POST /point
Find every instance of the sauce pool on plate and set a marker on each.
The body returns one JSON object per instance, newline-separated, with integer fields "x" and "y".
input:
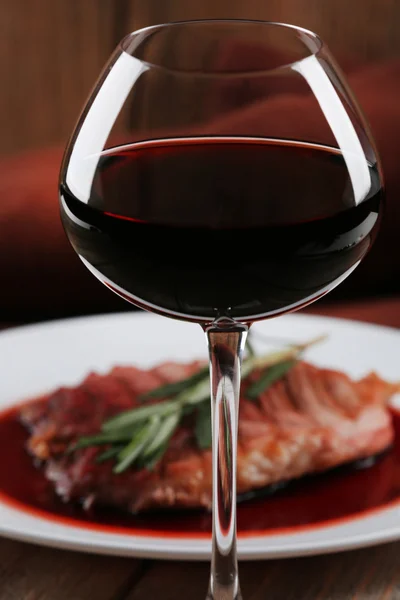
{"x": 346, "y": 493}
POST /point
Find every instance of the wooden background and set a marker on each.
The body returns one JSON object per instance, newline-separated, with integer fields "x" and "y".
{"x": 51, "y": 51}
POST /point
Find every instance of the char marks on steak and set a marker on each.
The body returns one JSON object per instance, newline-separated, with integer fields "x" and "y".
{"x": 311, "y": 420}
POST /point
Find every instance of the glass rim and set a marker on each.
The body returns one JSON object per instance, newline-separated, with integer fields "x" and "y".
{"x": 315, "y": 46}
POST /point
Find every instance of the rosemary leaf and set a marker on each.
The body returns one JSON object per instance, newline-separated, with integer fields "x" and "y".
{"x": 163, "y": 435}
{"x": 130, "y": 417}
{"x": 273, "y": 358}
{"x": 153, "y": 460}
{"x": 187, "y": 409}
{"x": 270, "y": 375}
{"x": 104, "y": 438}
{"x": 267, "y": 360}
{"x": 132, "y": 451}
{"x": 109, "y": 453}
{"x": 171, "y": 389}
{"x": 203, "y": 426}
{"x": 196, "y": 394}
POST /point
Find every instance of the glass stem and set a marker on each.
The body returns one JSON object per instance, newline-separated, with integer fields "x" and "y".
{"x": 226, "y": 341}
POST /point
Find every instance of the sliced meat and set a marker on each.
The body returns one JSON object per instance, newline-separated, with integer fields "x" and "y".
{"x": 311, "y": 420}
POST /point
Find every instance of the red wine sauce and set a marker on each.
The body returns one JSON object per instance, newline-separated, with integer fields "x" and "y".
{"x": 342, "y": 494}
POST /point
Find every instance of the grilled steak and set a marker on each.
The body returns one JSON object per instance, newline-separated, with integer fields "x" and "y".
{"x": 311, "y": 420}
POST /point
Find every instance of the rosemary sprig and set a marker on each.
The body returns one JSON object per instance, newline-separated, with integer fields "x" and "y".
{"x": 141, "y": 435}
{"x": 109, "y": 453}
{"x": 268, "y": 377}
{"x": 189, "y": 397}
{"x": 139, "y": 443}
{"x": 151, "y": 462}
{"x": 163, "y": 435}
{"x": 294, "y": 351}
{"x": 276, "y": 366}
{"x": 118, "y": 436}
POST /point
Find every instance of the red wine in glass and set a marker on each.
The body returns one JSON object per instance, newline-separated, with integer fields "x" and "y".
{"x": 174, "y": 225}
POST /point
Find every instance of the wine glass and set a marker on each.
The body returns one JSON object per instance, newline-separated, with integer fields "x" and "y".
{"x": 221, "y": 172}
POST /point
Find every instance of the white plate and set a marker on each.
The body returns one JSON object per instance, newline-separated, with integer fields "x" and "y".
{"x": 38, "y": 358}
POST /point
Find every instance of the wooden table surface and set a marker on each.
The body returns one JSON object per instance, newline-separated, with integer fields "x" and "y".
{"x": 29, "y": 572}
